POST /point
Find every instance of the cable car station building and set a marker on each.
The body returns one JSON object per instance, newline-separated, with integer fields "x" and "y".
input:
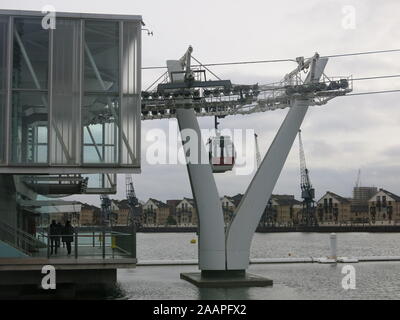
{"x": 69, "y": 115}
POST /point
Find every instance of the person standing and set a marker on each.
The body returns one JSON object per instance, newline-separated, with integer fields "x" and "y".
{"x": 68, "y": 235}
{"x": 59, "y": 233}
{"x": 62, "y": 237}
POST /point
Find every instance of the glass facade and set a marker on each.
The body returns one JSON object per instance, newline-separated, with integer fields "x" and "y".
{"x": 30, "y": 54}
{"x": 29, "y": 133}
{"x": 103, "y": 182}
{"x": 66, "y": 87}
{"x": 30, "y": 107}
{"x": 99, "y": 119}
{"x": 131, "y": 92}
{"x": 3, "y": 86}
{"x": 101, "y": 106}
{"x": 102, "y": 58}
{"x": 70, "y": 97}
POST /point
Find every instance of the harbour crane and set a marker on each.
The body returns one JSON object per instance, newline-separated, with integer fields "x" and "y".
{"x": 105, "y": 209}
{"x": 258, "y": 154}
{"x": 307, "y": 191}
{"x": 133, "y": 201}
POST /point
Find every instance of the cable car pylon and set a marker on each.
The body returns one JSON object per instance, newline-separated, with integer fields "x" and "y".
{"x": 188, "y": 94}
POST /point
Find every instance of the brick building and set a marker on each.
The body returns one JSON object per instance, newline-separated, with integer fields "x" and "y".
{"x": 384, "y": 206}
{"x": 155, "y": 213}
{"x": 333, "y": 208}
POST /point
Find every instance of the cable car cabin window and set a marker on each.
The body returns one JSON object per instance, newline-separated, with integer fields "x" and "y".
{"x": 222, "y": 154}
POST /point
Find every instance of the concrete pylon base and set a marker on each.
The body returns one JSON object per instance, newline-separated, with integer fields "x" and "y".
{"x": 226, "y": 279}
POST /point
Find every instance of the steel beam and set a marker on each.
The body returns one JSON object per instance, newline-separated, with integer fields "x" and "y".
{"x": 205, "y": 193}
{"x": 208, "y": 204}
{"x": 37, "y": 85}
{"x": 247, "y": 216}
{"x": 230, "y": 249}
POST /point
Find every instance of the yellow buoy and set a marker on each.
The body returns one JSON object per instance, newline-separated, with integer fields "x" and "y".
{"x": 193, "y": 241}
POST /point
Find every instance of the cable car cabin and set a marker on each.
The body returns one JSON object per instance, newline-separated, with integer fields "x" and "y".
{"x": 222, "y": 154}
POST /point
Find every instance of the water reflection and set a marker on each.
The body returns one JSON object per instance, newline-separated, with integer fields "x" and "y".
{"x": 223, "y": 294}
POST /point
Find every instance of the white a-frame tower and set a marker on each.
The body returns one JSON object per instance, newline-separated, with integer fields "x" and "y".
{"x": 227, "y": 248}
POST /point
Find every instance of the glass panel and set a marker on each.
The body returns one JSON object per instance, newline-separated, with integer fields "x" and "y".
{"x": 65, "y": 137}
{"x": 99, "y": 120}
{"x": 92, "y": 155}
{"x": 101, "y": 56}
{"x": 130, "y": 125}
{"x": 31, "y": 54}
{"x": 2, "y": 126}
{"x": 101, "y": 181}
{"x": 131, "y": 63}
{"x": 3, "y": 77}
{"x": 94, "y": 134}
{"x": 41, "y": 154}
{"x": 29, "y": 128}
{"x": 131, "y": 107}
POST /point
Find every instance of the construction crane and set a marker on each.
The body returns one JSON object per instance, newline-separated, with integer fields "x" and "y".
{"x": 133, "y": 201}
{"x": 105, "y": 209}
{"x": 358, "y": 182}
{"x": 258, "y": 155}
{"x": 307, "y": 191}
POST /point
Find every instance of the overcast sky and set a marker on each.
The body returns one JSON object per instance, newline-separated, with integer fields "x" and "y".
{"x": 347, "y": 134}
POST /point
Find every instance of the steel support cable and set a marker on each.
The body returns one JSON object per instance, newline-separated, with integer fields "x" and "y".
{"x": 354, "y": 79}
{"x": 282, "y": 60}
{"x": 227, "y": 63}
{"x": 155, "y": 82}
{"x": 360, "y": 53}
{"x": 371, "y": 92}
{"x": 206, "y": 68}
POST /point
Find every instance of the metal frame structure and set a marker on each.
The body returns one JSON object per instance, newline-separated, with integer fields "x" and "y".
{"x": 126, "y": 115}
{"x": 222, "y": 98}
{"x": 228, "y": 249}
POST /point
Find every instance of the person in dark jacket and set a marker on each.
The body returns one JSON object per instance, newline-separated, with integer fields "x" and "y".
{"x": 62, "y": 236}
{"x": 68, "y": 235}
{"x": 59, "y": 233}
{"x": 53, "y": 232}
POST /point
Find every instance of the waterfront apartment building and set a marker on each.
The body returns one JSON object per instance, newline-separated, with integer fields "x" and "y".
{"x": 89, "y": 215}
{"x": 281, "y": 210}
{"x": 228, "y": 208}
{"x": 186, "y": 213}
{"x": 360, "y": 205}
{"x": 332, "y": 208}
{"x": 121, "y": 211}
{"x": 155, "y": 213}
{"x": 172, "y": 219}
{"x": 384, "y": 206}
{"x": 287, "y": 208}
{"x": 63, "y": 217}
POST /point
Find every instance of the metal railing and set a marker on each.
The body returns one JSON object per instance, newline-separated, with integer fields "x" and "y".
{"x": 20, "y": 239}
{"x": 104, "y": 244}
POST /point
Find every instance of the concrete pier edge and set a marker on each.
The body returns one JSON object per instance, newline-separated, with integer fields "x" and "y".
{"x": 225, "y": 279}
